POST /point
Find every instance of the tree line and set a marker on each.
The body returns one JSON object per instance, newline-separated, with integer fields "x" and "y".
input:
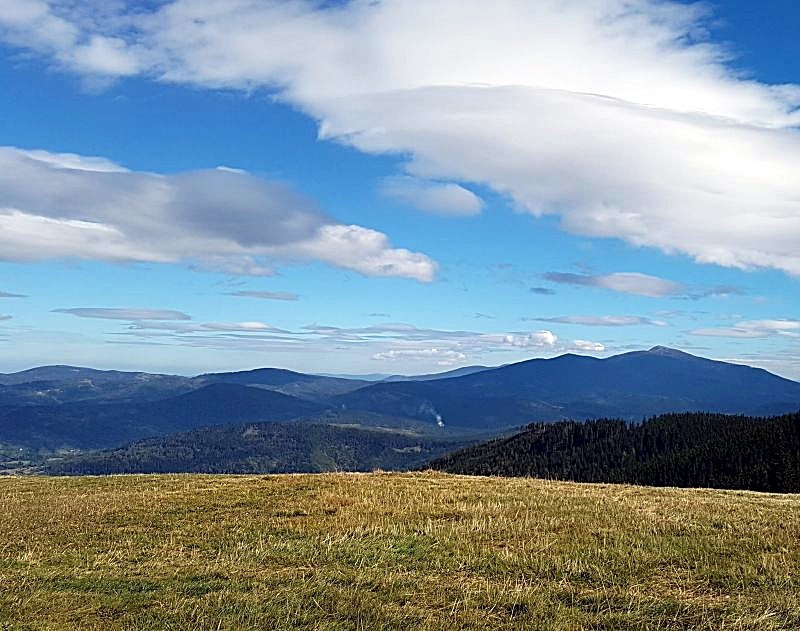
{"x": 685, "y": 450}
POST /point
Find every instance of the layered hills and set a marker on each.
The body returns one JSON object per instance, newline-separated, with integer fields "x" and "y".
{"x": 59, "y": 409}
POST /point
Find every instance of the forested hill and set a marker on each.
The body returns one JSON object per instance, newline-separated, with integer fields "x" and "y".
{"x": 686, "y": 450}
{"x": 265, "y": 448}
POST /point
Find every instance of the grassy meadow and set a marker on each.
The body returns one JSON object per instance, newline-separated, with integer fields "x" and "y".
{"x": 392, "y": 551}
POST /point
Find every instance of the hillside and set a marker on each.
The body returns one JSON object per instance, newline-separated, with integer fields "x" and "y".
{"x": 630, "y": 386}
{"x": 91, "y": 425}
{"x": 54, "y": 385}
{"x": 687, "y": 450}
{"x": 266, "y": 448}
{"x": 392, "y": 551}
{"x": 313, "y": 387}
{"x": 79, "y": 408}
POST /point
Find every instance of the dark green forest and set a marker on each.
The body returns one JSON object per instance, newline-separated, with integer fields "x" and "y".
{"x": 263, "y": 448}
{"x": 684, "y": 450}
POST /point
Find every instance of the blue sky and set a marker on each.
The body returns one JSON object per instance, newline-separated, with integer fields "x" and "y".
{"x": 361, "y": 188}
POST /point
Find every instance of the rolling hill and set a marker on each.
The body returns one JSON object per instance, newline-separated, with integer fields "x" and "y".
{"x": 63, "y": 407}
{"x": 313, "y": 387}
{"x": 89, "y": 425}
{"x": 265, "y": 448}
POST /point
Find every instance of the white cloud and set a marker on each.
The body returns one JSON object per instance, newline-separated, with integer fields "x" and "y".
{"x": 402, "y": 343}
{"x": 204, "y": 327}
{"x": 604, "y": 320}
{"x": 615, "y": 115}
{"x": 442, "y": 357}
{"x": 4, "y": 317}
{"x": 463, "y": 339}
{"x": 64, "y": 205}
{"x": 749, "y": 329}
{"x": 60, "y": 30}
{"x": 587, "y": 346}
{"x": 443, "y": 198}
{"x": 623, "y": 282}
{"x": 538, "y": 339}
{"x": 264, "y": 295}
{"x": 71, "y": 161}
{"x": 363, "y": 250}
{"x": 125, "y": 314}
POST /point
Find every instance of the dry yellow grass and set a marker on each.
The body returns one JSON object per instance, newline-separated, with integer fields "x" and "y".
{"x": 393, "y": 551}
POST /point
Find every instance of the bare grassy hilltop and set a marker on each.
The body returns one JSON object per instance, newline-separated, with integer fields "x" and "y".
{"x": 392, "y": 551}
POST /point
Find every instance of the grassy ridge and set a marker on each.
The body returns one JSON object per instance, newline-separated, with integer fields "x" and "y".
{"x": 372, "y": 551}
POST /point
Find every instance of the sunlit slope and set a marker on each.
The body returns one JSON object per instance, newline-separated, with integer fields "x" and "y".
{"x": 401, "y": 551}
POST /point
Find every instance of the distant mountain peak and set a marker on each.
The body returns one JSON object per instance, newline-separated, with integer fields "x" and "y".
{"x": 666, "y": 351}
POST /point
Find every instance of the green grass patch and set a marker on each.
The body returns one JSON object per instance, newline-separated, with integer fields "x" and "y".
{"x": 392, "y": 551}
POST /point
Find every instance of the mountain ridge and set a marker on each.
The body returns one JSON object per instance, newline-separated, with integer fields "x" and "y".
{"x": 120, "y": 407}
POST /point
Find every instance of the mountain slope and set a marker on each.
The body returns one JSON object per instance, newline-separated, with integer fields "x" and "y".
{"x": 88, "y": 425}
{"x": 688, "y": 450}
{"x": 64, "y": 373}
{"x": 458, "y": 372}
{"x": 313, "y": 387}
{"x": 263, "y": 448}
{"x": 52, "y": 385}
{"x": 96, "y": 409}
{"x": 629, "y": 386}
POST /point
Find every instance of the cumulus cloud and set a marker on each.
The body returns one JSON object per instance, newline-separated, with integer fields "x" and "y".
{"x": 614, "y": 115}
{"x": 442, "y": 198}
{"x": 537, "y": 339}
{"x": 750, "y": 329}
{"x": 61, "y": 31}
{"x": 265, "y": 295}
{"x": 125, "y": 314}
{"x": 4, "y": 317}
{"x": 623, "y": 282}
{"x": 5, "y": 294}
{"x": 442, "y": 357}
{"x": 604, "y": 320}
{"x": 587, "y": 346}
{"x": 64, "y": 205}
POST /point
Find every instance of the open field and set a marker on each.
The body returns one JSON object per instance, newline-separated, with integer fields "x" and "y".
{"x": 400, "y": 551}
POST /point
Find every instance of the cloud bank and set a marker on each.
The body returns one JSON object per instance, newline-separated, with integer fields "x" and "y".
{"x": 69, "y": 206}
{"x": 617, "y": 116}
{"x": 391, "y": 342}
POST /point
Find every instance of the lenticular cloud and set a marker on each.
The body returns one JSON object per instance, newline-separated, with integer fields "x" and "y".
{"x": 615, "y": 115}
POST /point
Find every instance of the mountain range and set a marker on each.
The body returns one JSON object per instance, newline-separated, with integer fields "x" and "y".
{"x": 630, "y": 386}
{"x": 55, "y": 409}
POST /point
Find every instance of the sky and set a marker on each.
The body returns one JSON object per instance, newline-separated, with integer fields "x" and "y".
{"x": 389, "y": 187}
